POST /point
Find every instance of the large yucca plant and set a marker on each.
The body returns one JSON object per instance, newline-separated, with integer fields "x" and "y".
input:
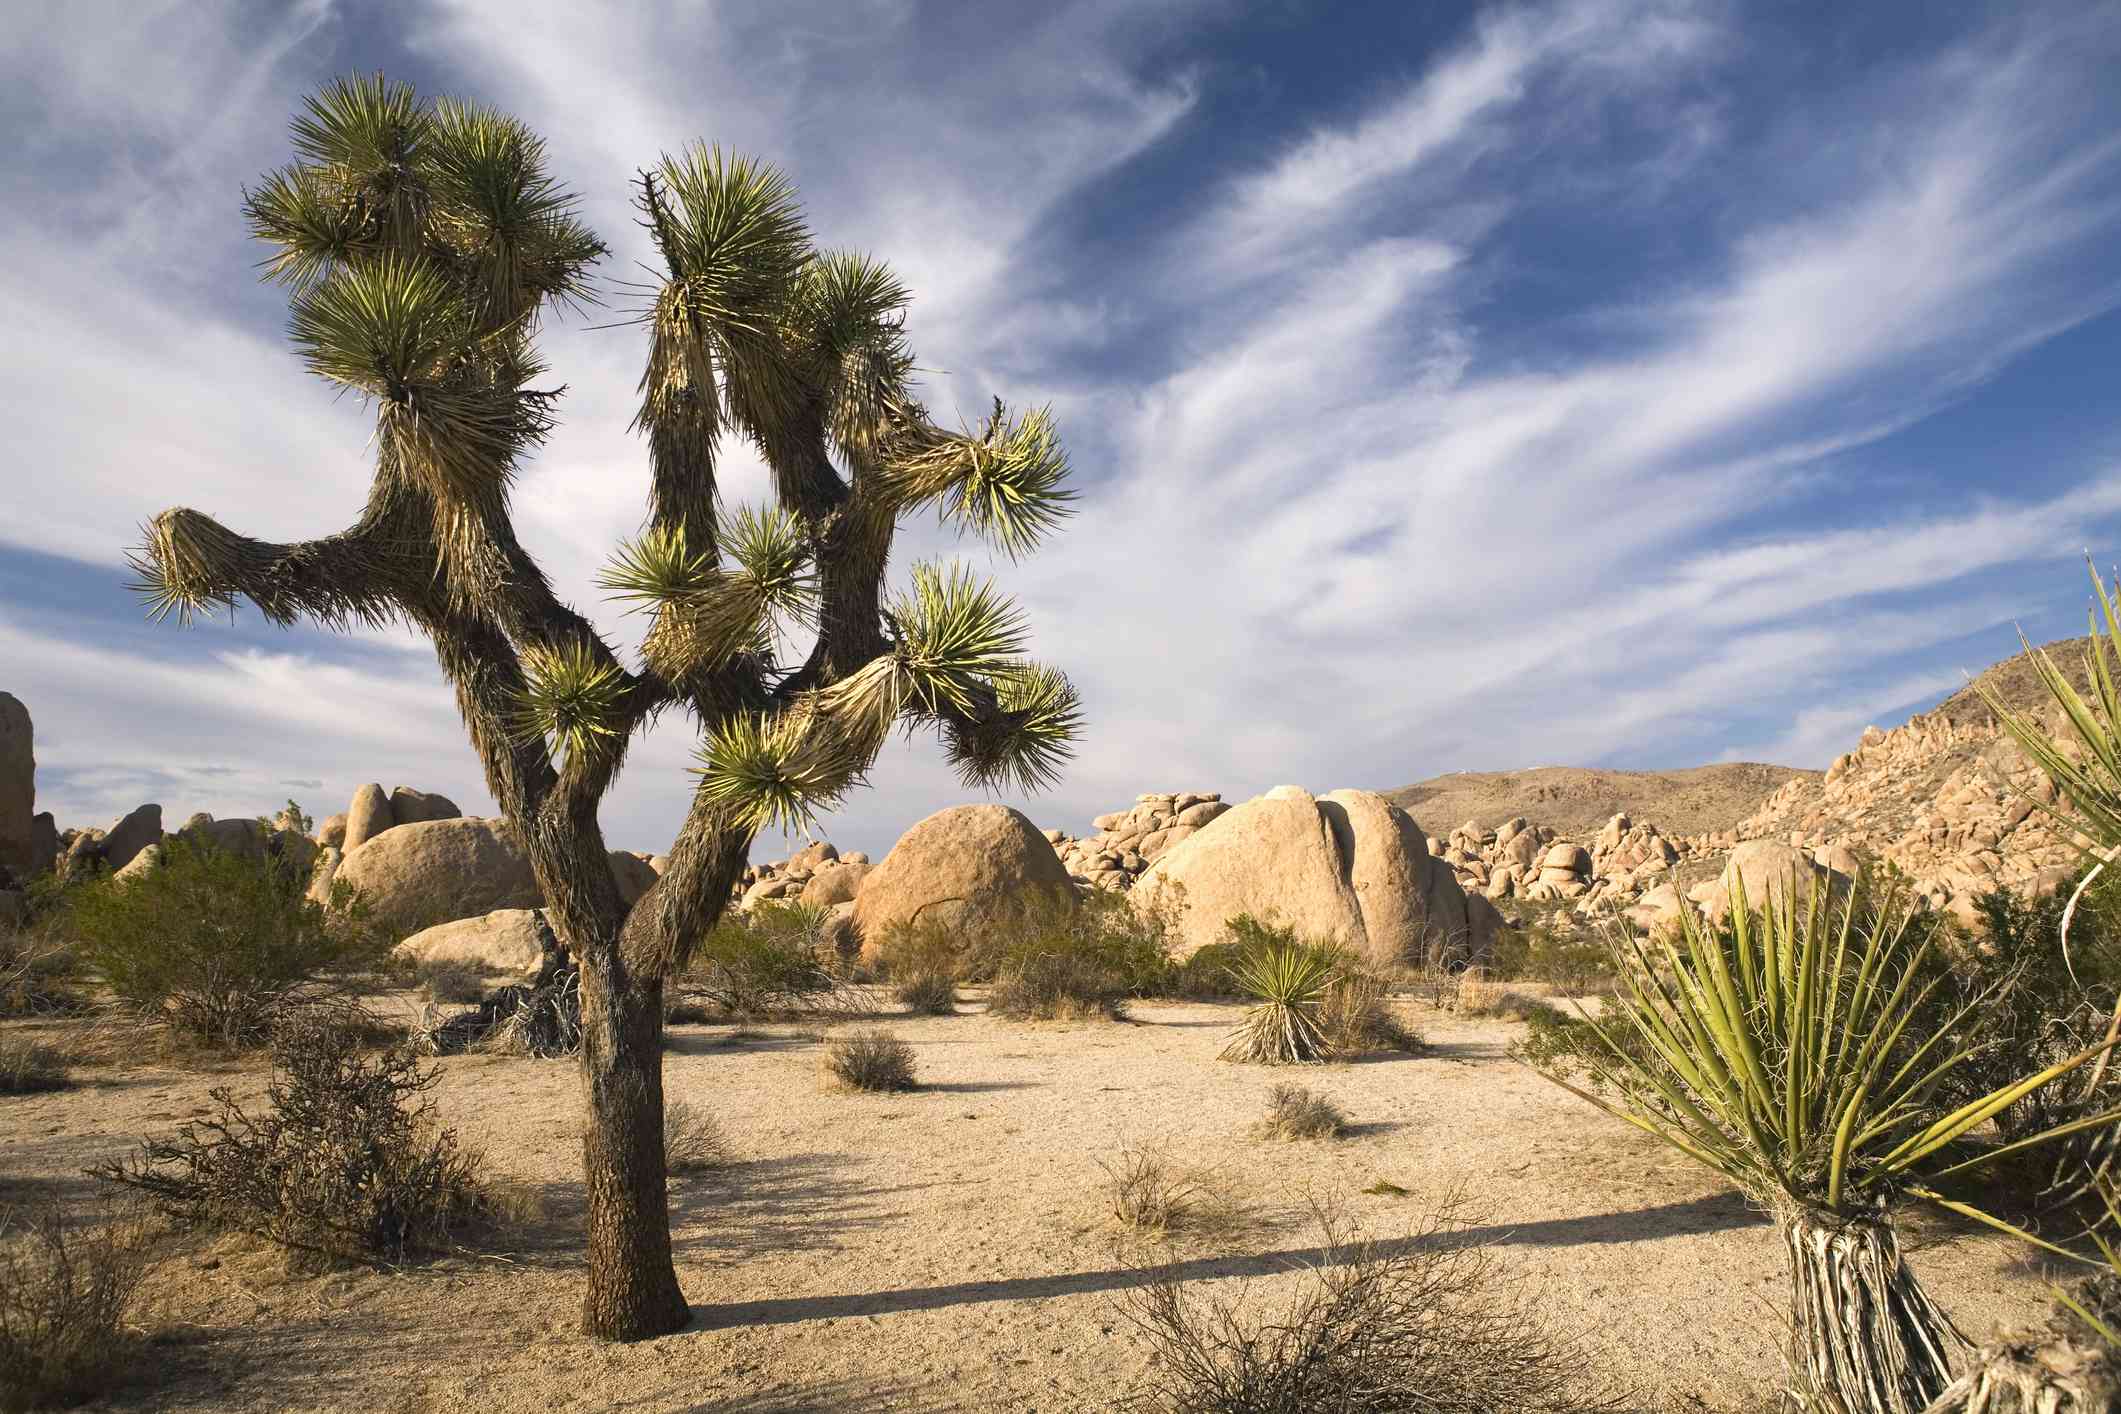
{"x": 1289, "y": 980}
{"x": 1785, "y": 1050}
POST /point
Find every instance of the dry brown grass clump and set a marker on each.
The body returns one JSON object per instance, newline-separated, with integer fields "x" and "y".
{"x": 1478, "y": 996}
{"x": 1294, "y": 1112}
{"x": 31, "y": 1067}
{"x": 64, "y": 1296}
{"x": 928, "y": 993}
{"x": 692, "y": 1139}
{"x": 1357, "y": 1019}
{"x": 870, "y": 1060}
{"x": 1421, "y": 1323}
{"x": 346, "y": 1161}
{"x": 1150, "y": 1194}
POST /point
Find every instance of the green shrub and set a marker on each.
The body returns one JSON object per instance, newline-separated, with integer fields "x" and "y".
{"x": 870, "y": 1060}
{"x": 2036, "y": 1003}
{"x": 770, "y": 960}
{"x": 1552, "y": 947}
{"x": 346, "y": 1161}
{"x": 39, "y": 967}
{"x": 1059, "y": 957}
{"x": 1208, "y": 974}
{"x": 64, "y": 1295}
{"x": 213, "y": 944}
{"x": 29, "y": 1067}
{"x": 922, "y": 950}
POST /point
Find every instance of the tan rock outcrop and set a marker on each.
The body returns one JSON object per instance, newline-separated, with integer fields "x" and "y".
{"x": 962, "y": 867}
{"x": 368, "y": 816}
{"x": 438, "y": 871}
{"x": 512, "y": 941}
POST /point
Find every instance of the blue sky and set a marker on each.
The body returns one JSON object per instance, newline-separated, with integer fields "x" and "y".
{"x": 1449, "y": 386}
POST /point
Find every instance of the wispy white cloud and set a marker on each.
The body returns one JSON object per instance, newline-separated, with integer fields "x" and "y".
{"x": 1344, "y": 523}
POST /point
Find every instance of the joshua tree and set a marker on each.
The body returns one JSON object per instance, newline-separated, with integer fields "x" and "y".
{"x": 420, "y": 243}
{"x": 1791, "y": 1051}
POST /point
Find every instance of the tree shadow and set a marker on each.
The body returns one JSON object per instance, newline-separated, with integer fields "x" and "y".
{"x": 810, "y": 1399}
{"x": 978, "y": 1087}
{"x": 1462, "y": 1051}
{"x": 764, "y": 1207}
{"x": 1713, "y": 1213}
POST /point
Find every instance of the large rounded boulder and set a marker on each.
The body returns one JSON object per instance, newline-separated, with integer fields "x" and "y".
{"x": 437, "y": 871}
{"x": 1768, "y": 869}
{"x": 1349, "y": 867}
{"x": 511, "y": 941}
{"x": 963, "y": 868}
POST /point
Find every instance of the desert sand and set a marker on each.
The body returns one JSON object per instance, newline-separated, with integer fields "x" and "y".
{"x": 949, "y": 1249}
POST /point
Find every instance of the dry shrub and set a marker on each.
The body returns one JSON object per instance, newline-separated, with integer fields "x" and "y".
{"x": 64, "y": 1295}
{"x": 453, "y": 983}
{"x": 1357, "y": 1019}
{"x": 870, "y": 1060}
{"x": 771, "y": 961}
{"x": 30, "y": 1067}
{"x": 38, "y": 970}
{"x": 1058, "y": 986}
{"x": 1423, "y": 1323}
{"x": 692, "y": 1139}
{"x": 928, "y": 993}
{"x": 1478, "y": 996}
{"x": 1150, "y": 1194}
{"x": 1294, "y": 1112}
{"x": 346, "y": 1161}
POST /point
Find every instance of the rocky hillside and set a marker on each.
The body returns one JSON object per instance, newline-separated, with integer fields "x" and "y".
{"x": 1946, "y": 797}
{"x": 1577, "y": 801}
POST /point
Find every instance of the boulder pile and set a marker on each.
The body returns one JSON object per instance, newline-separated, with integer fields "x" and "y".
{"x": 1124, "y": 843}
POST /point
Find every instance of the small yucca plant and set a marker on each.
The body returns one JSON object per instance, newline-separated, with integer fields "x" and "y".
{"x": 1289, "y": 979}
{"x": 1786, "y": 1051}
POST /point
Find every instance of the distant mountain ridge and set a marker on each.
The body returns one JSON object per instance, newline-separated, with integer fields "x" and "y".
{"x": 1578, "y": 800}
{"x": 1946, "y": 798}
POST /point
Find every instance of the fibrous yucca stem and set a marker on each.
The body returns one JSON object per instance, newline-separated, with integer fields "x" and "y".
{"x": 1865, "y": 1338}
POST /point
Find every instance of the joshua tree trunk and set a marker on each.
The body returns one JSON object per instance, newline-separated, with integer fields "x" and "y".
{"x": 633, "y": 1288}
{"x": 1865, "y": 1338}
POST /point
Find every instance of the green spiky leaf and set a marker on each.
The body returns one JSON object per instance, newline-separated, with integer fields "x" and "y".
{"x": 657, "y": 568}
{"x": 956, "y": 634}
{"x": 1006, "y": 481}
{"x": 766, "y": 771}
{"x": 572, "y": 697}
{"x": 1030, "y": 736}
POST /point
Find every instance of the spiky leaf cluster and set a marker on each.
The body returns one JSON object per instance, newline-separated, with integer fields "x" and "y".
{"x": 421, "y": 240}
{"x": 572, "y": 698}
{"x": 1004, "y": 481}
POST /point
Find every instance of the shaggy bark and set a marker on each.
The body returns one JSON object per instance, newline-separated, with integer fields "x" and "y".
{"x": 1865, "y": 1338}
{"x": 633, "y": 1288}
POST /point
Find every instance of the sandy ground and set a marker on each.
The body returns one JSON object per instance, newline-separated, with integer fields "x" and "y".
{"x": 949, "y": 1249}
